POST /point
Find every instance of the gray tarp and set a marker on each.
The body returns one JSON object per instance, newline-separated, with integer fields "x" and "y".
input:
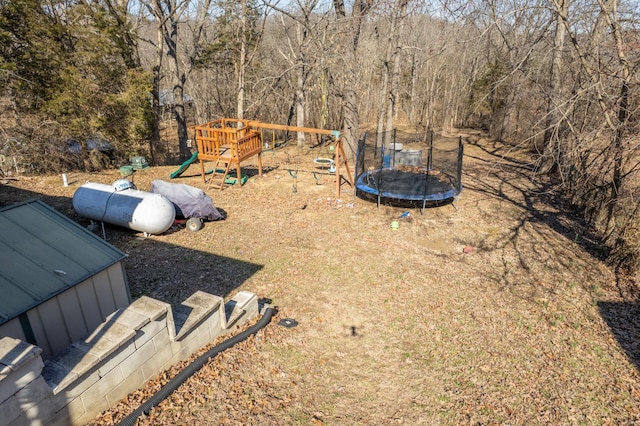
{"x": 189, "y": 201}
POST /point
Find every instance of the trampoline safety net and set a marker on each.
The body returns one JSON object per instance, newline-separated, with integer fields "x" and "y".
{"x": 409, "y": 166}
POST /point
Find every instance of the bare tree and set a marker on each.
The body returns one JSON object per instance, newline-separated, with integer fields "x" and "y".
{"x": 390, "y": 71}
{"x": 350, "y": 63}
{"x": 167, "y": 17}
{"x": 555, "y": 97}
{"x": 585, "y": 108}
{"x": 310, "y": 40}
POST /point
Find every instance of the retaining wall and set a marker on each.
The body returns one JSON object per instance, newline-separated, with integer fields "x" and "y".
{"x": 132, "y": 346}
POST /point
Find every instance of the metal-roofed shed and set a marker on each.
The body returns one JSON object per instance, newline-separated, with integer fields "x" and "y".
{"x": 58, "y": 281}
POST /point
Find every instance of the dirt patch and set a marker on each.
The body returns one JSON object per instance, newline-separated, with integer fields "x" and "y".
{"x": 403, "y": 326}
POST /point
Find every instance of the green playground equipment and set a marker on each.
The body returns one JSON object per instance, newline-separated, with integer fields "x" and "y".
{"x": 184, "y": 166}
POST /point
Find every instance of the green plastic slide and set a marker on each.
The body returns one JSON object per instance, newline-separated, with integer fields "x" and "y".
{"x": 184, "y": 166}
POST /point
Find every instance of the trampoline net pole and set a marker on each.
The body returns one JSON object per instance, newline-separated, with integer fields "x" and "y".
{"x": 427, "y": 181}
{"x": 360, "y": 154}
{"x": 383, "y": 153}
{"x": 394, "y": 150}
{"x": 459, "y": 171}
{"x": 430, "y": 152}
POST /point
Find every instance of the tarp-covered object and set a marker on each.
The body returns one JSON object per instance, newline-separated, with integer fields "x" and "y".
{"x": 189, "y": 201}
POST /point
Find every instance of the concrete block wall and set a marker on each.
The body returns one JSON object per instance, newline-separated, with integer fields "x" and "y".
{"x": 132, "y": 346}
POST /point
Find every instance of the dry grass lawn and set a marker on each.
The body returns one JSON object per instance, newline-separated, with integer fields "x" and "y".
{"x": 395, "y": 326}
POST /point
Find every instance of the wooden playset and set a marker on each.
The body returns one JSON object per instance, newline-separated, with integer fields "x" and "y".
{"x": 227, "y": 142}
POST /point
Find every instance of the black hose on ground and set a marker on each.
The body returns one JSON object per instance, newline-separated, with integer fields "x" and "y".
{"x": 192, "y": 368}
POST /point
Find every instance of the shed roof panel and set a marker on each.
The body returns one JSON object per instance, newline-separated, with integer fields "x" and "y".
{"x": 42, "y": 253}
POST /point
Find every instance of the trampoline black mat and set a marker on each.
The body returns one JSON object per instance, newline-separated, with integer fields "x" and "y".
{"x": 408, "y": 185}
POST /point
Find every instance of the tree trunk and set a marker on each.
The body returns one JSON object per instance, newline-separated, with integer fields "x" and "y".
{"x": 622, "y": 115}
{"x": 395, "y": 73}
{"x": 168, "y": 14}
{"x": 156, "y": 109}
{"x": 242, "y": 63}
{"x": 385, "y": 93}
{"x": 178, "y": 78}
{"x": 380, "y": 139}
{"x": 350, "y": 133}
{"x": 412, "y": 90}
{"x": 300, "y": 99}
{"x": 551, "y": 141}
{"x": 390, "y": 75}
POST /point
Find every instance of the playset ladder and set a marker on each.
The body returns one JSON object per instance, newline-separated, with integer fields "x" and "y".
{"x": 213, "y": 181}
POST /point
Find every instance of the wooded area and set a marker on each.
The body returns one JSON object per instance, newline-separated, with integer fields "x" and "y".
{"x": 557, "y": 77}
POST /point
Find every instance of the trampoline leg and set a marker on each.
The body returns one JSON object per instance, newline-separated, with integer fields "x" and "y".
{"x": 378, "y": 202}
{"x": 424, "y": 204}
{"x": 456, "y": 199}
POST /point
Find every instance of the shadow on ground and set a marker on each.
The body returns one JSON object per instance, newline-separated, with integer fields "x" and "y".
{"x": 623, "y": 319}
{"x": 498, "y": 172}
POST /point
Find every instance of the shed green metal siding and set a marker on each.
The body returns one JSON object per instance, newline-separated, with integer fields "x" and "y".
{"x": 43, "y": 253}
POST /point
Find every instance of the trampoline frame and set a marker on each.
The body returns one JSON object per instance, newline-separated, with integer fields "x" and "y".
{"x": 420, "y": 183}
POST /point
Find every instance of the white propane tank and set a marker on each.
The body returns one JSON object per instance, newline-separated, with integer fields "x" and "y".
{"x": 130, "y": 208}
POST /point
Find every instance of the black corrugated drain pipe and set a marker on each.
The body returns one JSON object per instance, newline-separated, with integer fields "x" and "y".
{"x": 192, "y": 368}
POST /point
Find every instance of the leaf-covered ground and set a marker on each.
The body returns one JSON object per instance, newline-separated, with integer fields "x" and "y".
{"x": 524, "y": 326}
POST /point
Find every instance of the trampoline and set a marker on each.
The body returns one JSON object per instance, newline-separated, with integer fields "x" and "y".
{"x": 413, "y": 167}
